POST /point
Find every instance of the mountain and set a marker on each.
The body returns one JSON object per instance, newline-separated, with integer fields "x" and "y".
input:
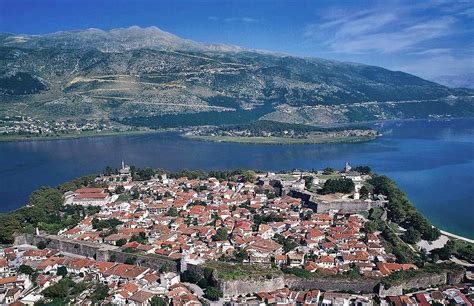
{"x": 148, "y": 77}
{"x": 457, "y": 81}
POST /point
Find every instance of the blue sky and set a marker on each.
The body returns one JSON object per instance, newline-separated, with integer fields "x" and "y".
{"x": 426, "y": 38}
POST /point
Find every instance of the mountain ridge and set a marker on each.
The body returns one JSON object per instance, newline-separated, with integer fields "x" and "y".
{"x": 135, "y": 75}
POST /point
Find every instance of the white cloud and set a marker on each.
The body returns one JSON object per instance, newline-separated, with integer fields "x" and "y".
{"x": 377, "y": 30}
{"x": 435, "y": 51}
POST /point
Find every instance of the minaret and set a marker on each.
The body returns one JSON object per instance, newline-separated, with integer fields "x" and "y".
{"x": 347, "y": 168}
{"x": 123, "y": 165}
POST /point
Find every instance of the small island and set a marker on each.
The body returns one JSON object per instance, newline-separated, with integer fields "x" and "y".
{"x": 271, "y": 132}
{"x": 142, "y": 236}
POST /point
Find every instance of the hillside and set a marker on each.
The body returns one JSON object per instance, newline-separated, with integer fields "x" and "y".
{"x": 148, "y": 77}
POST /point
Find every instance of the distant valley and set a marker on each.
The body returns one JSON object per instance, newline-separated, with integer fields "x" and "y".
{"x": 144, "y": 77}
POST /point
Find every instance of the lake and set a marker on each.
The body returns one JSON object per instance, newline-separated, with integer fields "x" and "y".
{"x": 432, "y": 161}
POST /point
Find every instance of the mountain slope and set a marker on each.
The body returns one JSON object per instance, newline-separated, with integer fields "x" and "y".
{"x": 150, "y": 77}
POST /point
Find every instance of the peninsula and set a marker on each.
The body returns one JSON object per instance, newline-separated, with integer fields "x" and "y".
{"x": 271, "y": 132}
{"x": 142, "y": 236}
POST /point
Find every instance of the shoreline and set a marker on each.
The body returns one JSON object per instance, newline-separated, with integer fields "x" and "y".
{"x": 278, "y": 140}
{"x": 21, "y": 138}
{"x": 451, "y": 235}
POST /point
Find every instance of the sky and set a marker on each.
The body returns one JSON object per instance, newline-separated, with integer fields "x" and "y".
{"x": 426, "y": 38}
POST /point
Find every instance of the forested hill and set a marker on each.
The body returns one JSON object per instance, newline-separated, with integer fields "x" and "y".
{"x": 147, "y": 75}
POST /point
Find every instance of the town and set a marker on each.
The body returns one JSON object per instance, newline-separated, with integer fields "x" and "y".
{"x": 24, "y": 126}
{"x": 149, "y": 237}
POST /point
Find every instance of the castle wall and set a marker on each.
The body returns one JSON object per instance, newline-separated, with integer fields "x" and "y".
{"x": 100, "y": 252}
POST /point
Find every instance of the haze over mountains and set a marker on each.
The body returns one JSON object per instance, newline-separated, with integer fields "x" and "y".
{"x": 148, "y": 77}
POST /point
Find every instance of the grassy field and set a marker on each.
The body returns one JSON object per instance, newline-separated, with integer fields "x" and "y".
{"x": 227, "y": 271}
{"x": 72, "y": 135}
{"x": 279, "y": 140}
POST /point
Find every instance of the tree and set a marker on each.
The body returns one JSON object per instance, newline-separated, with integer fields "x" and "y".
{"x": 59, "y": 290}
{"x": 221, "y": 234}
{"x": 100, "y": 292}
{"x": 113, "y": 258}
{"x": 288, "y": 243}
{"x": 343, "y": 185}
{"x": 190, "y": 276}
{"x": 364, "y": 192}
{"x": 158, "y": 301}
{"x": 119, "y": 189}
{"x": 411, "y": 236}
{"x": 445, "y": 252}
{"x": 130, "y": 260}
{"x": 172, "y": 212}
{"x": 249, "y": 176}
{"x": 41, "y": 245}
{"x": 308, "y": 181}
{"x": 62, "y": 271}
{"x": 213, "y": 294}
{"x": 241, "y": 255}
{"x": 328, "y": 171}
{"x": 140, "y": 238}
{"x": 363, "y": 169}
{"x": 121, "y": 242}
{"x": 25, "y": 269}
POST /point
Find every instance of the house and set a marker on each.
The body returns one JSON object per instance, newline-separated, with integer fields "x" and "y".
{"x": 169, "y": 279}
{"x": 12, "y": 295}
{"x": 3, "y": 266}
{"x": 90, "y": 197}
{"x": 336, "y": 299}
{"x": 263, "y": 250}
{"x": 281, "y": 260}
{"x": 388, "y": 268}
{"x": 141, "y": 298}
{"x": 295, "y": 259}
{"x": 325, "y": 262}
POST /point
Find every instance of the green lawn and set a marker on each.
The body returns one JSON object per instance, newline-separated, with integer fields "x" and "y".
{"x": 227, "y": 271}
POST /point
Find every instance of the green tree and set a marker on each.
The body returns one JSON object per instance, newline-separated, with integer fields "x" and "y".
{"x": 213, "y": 293}
{"x": 100, "y": 292}
{"x": 41, "y": 245}
{"x": 121, "y": 242}
{"x": 411, "y": 236}
{"x": 249, "y": 176}
{"x": 172, "y": 212}
{"x": 328, "y": 171}
{"x": 140, "y": 238}
{"x": 62, "y": 271}
{"x": 343, "y": 185}
{"x": 25, "y": 269}
{"x": 241, "y": 255}
{"x": 364, "y": 192}
{"x": 158, "y": 301}
{"x": 59, "y": 290}
{"x": 363, "y": 169}
{"x": 130, "y": 260}
{"x": 221, "y": 234}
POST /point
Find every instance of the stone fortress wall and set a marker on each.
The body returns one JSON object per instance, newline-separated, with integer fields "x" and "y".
{"x": 100, "y": 252}
{"x": 243, "y": 286}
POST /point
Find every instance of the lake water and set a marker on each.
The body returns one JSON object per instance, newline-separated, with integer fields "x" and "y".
{"x": 432, "y": 161}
